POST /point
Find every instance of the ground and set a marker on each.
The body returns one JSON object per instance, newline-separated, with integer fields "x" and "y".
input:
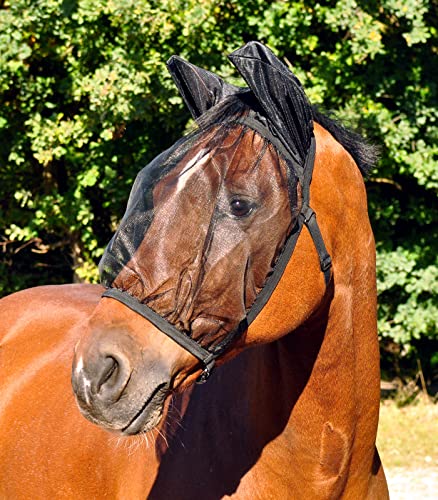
{"x": 408, "y": 445}
{"x": 410, "y": 484}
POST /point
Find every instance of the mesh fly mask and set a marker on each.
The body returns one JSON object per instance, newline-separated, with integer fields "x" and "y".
{"x": 212, "y": 222}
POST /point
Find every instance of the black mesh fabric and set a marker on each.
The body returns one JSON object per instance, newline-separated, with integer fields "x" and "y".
{"x": 207, "y": 219}
{"x": 204, "y": 225}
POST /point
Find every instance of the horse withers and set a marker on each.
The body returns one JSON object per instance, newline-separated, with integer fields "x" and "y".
{"x": 245, "y": 260}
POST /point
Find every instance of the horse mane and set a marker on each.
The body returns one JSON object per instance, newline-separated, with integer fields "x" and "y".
{"x": 363, "y": 152}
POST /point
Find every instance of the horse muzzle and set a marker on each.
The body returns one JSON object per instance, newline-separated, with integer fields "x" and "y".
{"x": 117, "y": 386}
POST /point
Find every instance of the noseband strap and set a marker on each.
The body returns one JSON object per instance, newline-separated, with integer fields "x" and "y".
{"x": 208, "y": 355}
{"x": 207, "y": 358}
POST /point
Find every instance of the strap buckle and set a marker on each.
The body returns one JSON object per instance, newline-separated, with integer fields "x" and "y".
{"x": 326, "y": 263}
{"x": 208, "y": 368}
{"x": 307, "y": 213}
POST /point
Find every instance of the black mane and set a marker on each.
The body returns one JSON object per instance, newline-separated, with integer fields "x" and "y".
{"x": 363, "y": 153}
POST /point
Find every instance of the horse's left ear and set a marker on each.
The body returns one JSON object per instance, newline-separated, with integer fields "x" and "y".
{"x": 278, "y": 92}
{"x": 199, "y": 88}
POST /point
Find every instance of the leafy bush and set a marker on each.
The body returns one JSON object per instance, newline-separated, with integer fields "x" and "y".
{"x": 86, "y": 101}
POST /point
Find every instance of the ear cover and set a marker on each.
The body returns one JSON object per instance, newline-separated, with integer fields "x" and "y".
{"x": 280, "y": 95}
{"x": 199, "y": 88}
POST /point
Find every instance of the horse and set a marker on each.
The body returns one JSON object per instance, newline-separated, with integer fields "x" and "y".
{"x": 220, "y": 273}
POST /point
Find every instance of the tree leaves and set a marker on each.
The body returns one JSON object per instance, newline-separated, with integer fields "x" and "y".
{"x": 86, "y": 101}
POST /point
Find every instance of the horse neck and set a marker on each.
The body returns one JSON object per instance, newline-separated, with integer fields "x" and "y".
{"x": 318, "y": 386}
{"x": 335, "y": 414}
{"x": 311, "y": 395}
{"x": 308, "y": 401}
{"x": 342, "y": 389}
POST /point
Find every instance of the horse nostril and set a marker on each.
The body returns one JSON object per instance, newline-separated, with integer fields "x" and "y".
{"x": 112, "y": 377}
{"x": 109, "y": 372}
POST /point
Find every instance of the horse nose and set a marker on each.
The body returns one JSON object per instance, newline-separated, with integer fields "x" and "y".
{"x": 104, "y": 377}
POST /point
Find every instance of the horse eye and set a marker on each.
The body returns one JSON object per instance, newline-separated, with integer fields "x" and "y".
{"x": 241, "y": 207}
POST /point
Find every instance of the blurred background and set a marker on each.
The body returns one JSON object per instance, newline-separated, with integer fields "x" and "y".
{"x": 86, "y": 102}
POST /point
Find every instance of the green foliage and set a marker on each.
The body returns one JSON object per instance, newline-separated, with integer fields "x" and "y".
{"x": 86, "y": 101}
{"x": 415, "y": 311}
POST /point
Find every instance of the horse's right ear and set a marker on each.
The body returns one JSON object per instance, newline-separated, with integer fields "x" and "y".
{"x": 199, "y": 88}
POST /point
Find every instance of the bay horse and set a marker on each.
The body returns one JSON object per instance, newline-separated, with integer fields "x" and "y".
{"x": 201, "y": 273}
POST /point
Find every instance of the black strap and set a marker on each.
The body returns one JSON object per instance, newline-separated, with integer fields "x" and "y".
{"x": 206, "y": 357}
{"x": 279, "y": 268}
{"x": 325, "y": 261}
{"x": 308, "y": 216}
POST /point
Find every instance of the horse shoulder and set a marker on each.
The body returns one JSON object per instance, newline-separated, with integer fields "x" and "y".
{"x": 38, "y": 329}
{"x": 48, "y": 448}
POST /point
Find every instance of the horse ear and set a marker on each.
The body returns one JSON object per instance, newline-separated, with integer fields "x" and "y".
{"x": 278, "y": 92}
{"x": 199, "y": 88}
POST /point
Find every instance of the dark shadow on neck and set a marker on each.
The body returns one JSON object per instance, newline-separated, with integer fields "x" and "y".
{"x": 244, "y": 406}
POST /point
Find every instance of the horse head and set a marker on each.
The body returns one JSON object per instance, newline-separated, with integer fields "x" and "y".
{"x": 194, "y": 272}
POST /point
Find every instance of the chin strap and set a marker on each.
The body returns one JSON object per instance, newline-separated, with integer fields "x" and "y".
{"x": 208, "y": 356}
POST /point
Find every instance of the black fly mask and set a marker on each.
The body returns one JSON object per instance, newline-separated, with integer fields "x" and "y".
{"x": 212, "y": 222}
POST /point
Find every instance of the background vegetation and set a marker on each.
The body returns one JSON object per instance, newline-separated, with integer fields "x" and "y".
{"x": 86, "y": 101}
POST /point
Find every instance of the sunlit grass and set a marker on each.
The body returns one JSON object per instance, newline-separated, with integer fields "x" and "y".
{"x": 408, "y": 436}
